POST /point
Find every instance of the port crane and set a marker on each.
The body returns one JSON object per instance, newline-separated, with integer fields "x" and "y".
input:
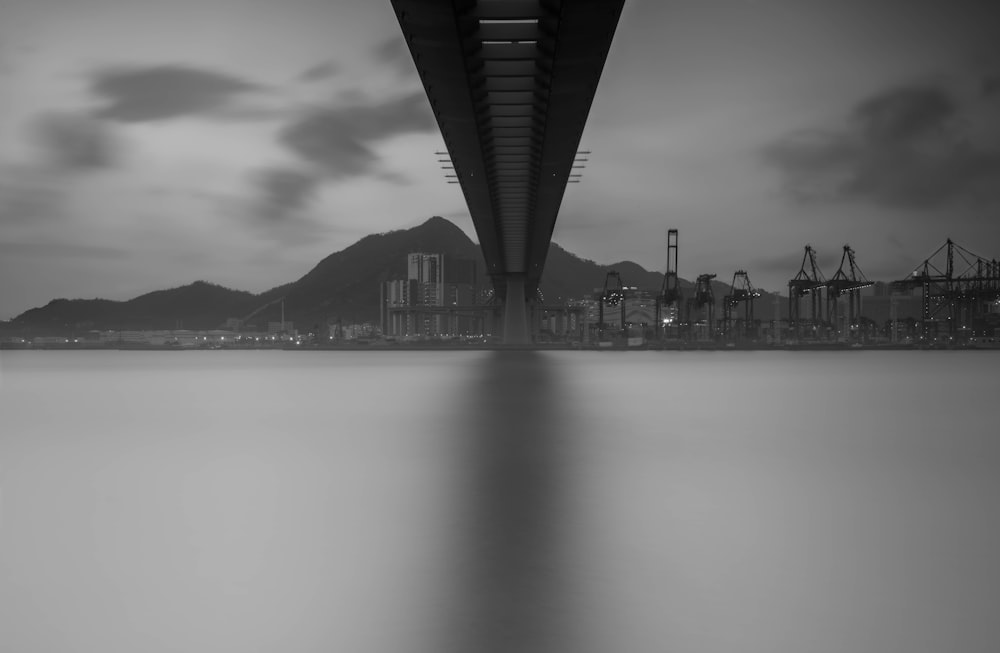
{"x": 846, "y": 282}
{"x": 702, "y": 304}
{"x": 740, "y": 291}
{"x": 964, "y": 288}
{"x": 807, "y": 282}
{"x": 670, "y": 298}
{"x": 612, "y": 295}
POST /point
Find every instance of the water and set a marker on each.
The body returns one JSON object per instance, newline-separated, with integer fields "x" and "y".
{"x": 475, "y": 501}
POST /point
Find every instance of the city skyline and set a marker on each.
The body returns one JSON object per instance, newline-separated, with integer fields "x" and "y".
{"x": 146, "y": 145}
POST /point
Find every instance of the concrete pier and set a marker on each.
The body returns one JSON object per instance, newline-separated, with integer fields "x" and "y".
{"x": 515, "y": 313}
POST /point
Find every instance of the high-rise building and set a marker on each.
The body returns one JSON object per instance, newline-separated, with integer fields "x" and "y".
{"x": 397, "y": 293}
{"x": 428, "y": 271}
{"x": 461, "y": 288}
{"x": 428, "y": 284}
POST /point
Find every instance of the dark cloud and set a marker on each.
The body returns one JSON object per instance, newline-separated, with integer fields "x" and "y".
{"x": 394, "y": 53}
{"x": 991, "y": 86}
{"x": 164, "y": 92}
{"x": 320, "y": 71}
{"x": 339, "y": 140}
{"x": 901, "y": 116}
{"x": 813, "y": 162}
{"x": 914, "y": 179}
{"x": 283, "y": 192}
{"x": 75, "y": 142}
{"x": 903, "y": 148}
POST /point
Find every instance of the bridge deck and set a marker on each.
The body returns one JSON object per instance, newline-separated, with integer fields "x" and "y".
{"x": 511, "y": 83}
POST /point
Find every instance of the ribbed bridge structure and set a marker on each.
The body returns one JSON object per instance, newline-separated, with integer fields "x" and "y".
{"x": 511, "y": 83}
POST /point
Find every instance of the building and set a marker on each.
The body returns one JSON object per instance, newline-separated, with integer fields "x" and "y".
{"x": 431, "y": 282}
{"x": 397, "y": 295}
{"x": 428, "y": 272}
{"x": 281, "y": 328}
{"x": 461, "y": 289}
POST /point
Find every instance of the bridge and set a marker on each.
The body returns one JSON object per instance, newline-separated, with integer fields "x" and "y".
{"x": 511, "y": 83}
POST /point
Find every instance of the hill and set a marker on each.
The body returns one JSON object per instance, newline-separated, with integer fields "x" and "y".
{"x": 569, "y": 276}
{"x": 344, "y": 285}
{"x": 200, "y": 305}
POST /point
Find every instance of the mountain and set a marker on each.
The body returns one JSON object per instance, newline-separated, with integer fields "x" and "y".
{"x": 200, "y": 305}
{"x": 568, "y": 276}
{"x": 343, "y": 286}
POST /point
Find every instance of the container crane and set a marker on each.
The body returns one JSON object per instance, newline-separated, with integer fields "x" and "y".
{"x": 613, "y": 295}
{"x": 849, "y": 282}
{"x": 669, "y": 299}
{"x": 703, "y": 297}
{"x": 966, "y": 285}
{"x": 740, "y": 291}
{"x": 807, "y": 282}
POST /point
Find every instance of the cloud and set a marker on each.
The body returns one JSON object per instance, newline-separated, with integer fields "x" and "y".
{"x": 258, "y": 112}
{"x": 394, "y": 53}
{"x": 394, "y": 178}
{"x": 61, "y": 250}
{"x": 320, "y": 71}
{"x": 787, "y": 264}
{"x": 901, "y": 116}
{"x": 283, "y": 191}
{"x": 164, "y": 92}
{"x": 812, "y": 161}
{"x": 26, "y": 201}
{"x": 75, "y": 143}
{"x": 903, "y": 148}
{"x": 991, "y": 86}
{"x": 338, "y": 141}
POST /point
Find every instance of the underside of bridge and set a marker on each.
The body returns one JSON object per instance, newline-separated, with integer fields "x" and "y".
{"x": 511, "y": 83}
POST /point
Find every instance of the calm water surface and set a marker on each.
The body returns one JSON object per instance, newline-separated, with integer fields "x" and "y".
{"x": 378, "y": 502}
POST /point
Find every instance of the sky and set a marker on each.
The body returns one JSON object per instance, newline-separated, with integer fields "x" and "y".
{"x": 147, "y": 144}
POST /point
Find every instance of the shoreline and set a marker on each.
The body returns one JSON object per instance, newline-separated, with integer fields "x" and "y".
{"x": 389, "y": 347}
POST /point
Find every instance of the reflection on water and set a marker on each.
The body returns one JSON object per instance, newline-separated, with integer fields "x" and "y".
{"x": 506, "y": 501}
{"x": 513, "y": 435}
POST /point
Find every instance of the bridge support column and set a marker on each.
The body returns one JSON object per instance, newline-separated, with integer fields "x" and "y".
{"x": 515, "y": 313}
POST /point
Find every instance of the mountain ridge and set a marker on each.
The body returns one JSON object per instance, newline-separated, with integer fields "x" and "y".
{"x": 344, "y": 286}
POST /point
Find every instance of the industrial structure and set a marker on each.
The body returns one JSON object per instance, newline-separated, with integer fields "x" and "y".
{"x": 961, "y": 291}
{"x": 951, "y": 298}
{"x": 612, "y": 296}
{"x": 847, "y": 282}
{"x": 511, "y": 83}
{"x": 670, "y": 299}
{"x": 741, "y": 291}
{"x": 808, "y": 282}
{"x": 700, "y": 316}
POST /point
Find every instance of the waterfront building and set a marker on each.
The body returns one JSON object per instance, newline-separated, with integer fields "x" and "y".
{"x": 428, "y": 271}
{"x": 433, "y": 283}
{"x": 640, "y": 312}
{"x": 280, "y": 328}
